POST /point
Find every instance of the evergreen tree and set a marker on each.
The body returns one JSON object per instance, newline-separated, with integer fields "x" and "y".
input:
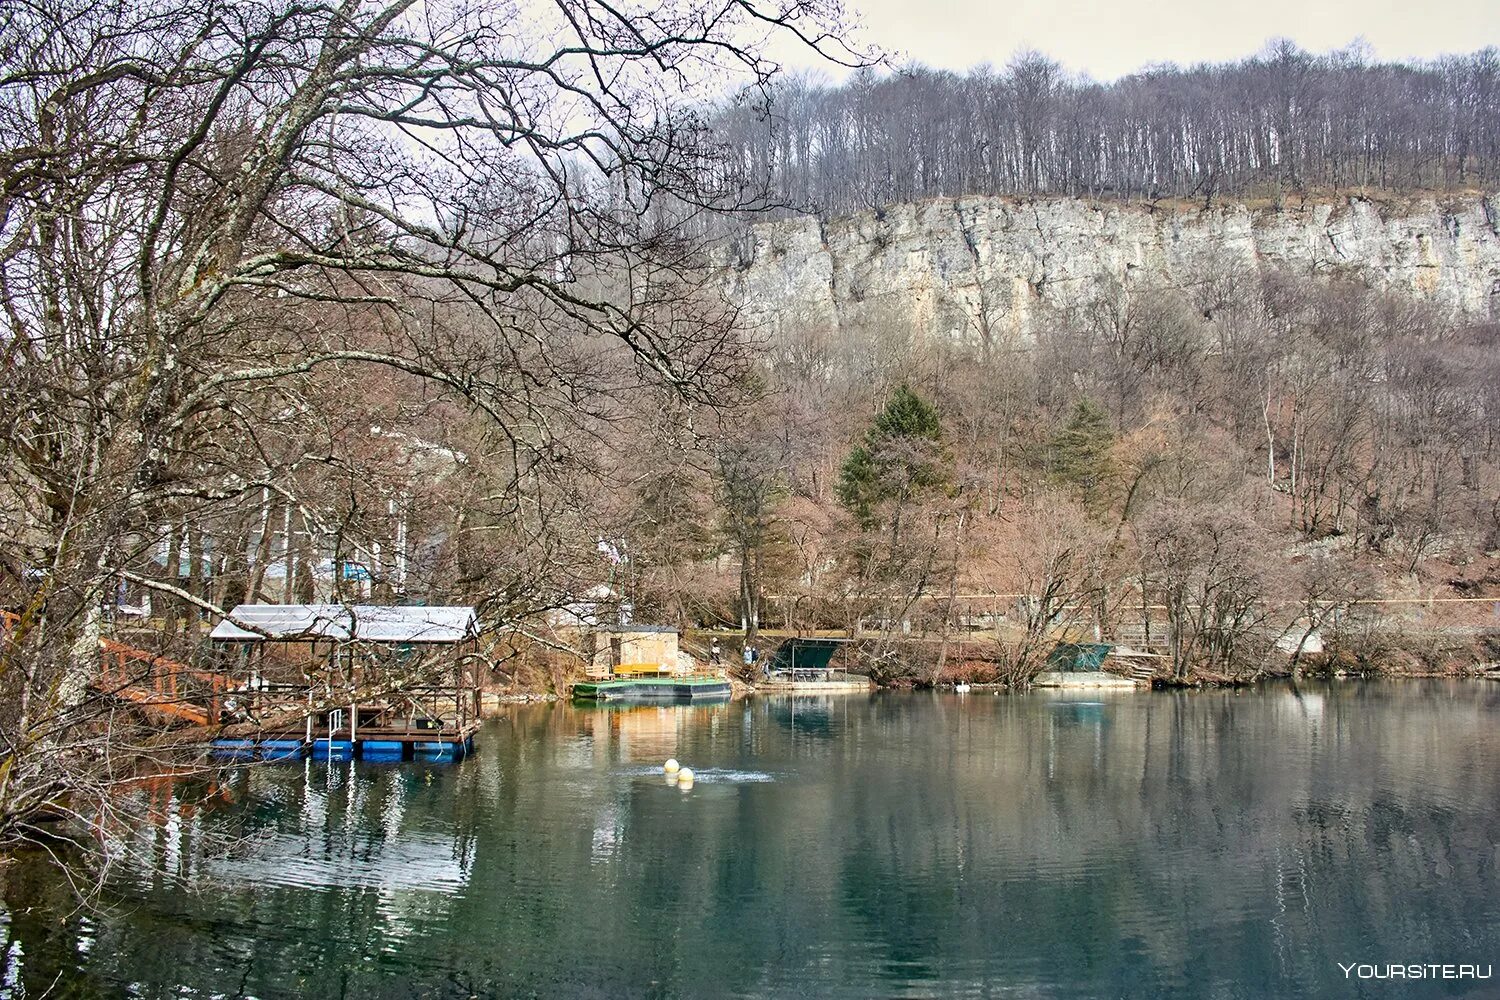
{"x": 1081, "y": 451}
{"x": 902, "y": 456}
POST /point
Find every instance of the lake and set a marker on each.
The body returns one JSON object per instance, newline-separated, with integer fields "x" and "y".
{"x": 1203, "y": 844}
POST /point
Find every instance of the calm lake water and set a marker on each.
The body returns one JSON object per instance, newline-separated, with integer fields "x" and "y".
{"x": 902, "y": 845}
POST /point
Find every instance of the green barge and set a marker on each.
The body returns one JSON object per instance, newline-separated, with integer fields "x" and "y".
{"x": 653, "y": 689}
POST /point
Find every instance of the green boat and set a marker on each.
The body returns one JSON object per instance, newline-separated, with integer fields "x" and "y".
{"x": 653, "y": 689}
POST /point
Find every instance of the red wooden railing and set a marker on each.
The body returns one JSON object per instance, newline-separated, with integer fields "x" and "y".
{"x": 159, "y": 685}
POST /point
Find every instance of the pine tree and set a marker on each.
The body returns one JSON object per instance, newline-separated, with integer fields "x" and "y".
{"x": 1081, "y": 452}
{"x": 901, "y": 457}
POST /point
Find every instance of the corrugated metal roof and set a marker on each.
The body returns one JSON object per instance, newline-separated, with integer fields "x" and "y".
{"x": 365, "y": 622}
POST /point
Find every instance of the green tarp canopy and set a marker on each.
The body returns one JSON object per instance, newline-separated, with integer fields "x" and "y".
{"x": 1074, "y": 657}
{"x": 804, "y": 654}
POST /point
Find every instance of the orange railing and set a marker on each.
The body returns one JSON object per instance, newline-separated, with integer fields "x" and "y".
{"x": 154, "y": 682}
{"x": 162, "y": 685}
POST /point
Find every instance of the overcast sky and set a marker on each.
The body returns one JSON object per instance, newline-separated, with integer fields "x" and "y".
{"x": 1111, "y": 39}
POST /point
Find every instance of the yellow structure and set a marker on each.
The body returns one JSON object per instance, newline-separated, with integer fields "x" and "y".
{"x": 634, "y": 650}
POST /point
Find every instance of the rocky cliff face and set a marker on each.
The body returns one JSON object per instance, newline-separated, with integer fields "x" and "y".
{"x": 977, "y": 269}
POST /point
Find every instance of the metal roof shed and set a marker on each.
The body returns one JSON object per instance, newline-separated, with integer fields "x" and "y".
{"x": 443, "y": 624}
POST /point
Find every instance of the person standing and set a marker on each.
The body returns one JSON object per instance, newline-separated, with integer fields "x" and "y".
{"x": 752, "y": 657}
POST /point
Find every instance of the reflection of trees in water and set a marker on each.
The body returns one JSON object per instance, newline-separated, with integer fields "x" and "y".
{"x": 808, "y": 715}
{"x": 312, "y": 858}
{"x": 1193, "y": 841}
{"x": 1211, "y": 814}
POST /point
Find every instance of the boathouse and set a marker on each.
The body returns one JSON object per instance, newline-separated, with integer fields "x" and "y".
{"x": 806, "y": 664}
{"x": 804, "y": 658}
{"x": 342, "y": 681}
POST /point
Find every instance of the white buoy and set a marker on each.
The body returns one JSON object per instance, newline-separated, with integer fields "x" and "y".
{"x": 671, "y": 766}
{"x": 685, "y": 777}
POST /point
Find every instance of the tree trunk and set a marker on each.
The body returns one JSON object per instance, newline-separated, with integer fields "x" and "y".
{"x": 197, "y": 583}
{"x": 257, "y": 574}
{"x": 749, "y": 594}
{"x": 289, "y": 560}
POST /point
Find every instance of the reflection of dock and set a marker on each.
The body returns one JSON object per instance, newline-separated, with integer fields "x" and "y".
{"x": 667, "y": 688}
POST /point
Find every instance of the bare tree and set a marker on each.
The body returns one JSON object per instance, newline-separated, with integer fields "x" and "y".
{"x": 1203, "y": 567}
{"x": 1051, "y": 559}
{"x": 221, "y": 228}
{"x": 750, "y": 487}
{"x": 1329, "y": 589}
{"x": 1277, "y": 123}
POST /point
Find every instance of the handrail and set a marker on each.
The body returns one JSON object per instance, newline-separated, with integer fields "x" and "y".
{"x": 164, "y": 674}
{"x": 123, "y": 652}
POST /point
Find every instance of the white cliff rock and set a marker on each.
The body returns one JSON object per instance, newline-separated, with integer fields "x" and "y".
{"x": 977, "y": 269}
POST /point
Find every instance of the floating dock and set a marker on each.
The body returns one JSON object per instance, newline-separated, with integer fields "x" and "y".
{"x": 850, "y": 685}
{"x": 653, "y": 689}
{"x": 434, "y": 746}
{"x": 1085, "y": 679}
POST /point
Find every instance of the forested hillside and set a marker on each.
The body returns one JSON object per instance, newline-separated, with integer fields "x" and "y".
{"x": 1201, "y": 360}
{"x": 1208, "y": 468}
{"x": 523, "y": 366}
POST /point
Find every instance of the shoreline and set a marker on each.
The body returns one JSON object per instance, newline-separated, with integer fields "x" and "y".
{"x": 1089, "y": 680}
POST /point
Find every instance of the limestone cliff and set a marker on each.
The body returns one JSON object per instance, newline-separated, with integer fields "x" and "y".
{"x": 989, "y": 268}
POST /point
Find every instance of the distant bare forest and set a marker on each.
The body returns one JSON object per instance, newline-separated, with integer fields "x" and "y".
{"x": 1285, "y": 119}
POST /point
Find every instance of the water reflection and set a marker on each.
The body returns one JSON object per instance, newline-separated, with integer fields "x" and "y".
{"x": 1197, "y": 844}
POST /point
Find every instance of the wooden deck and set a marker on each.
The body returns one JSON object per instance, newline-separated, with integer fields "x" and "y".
{"x": 850, "y": 684}
{"x": 374, "y": 743}
{"x": 161, "y": 686}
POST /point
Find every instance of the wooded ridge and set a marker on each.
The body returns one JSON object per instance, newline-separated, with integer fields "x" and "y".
{"x": 1285, "y": 120}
